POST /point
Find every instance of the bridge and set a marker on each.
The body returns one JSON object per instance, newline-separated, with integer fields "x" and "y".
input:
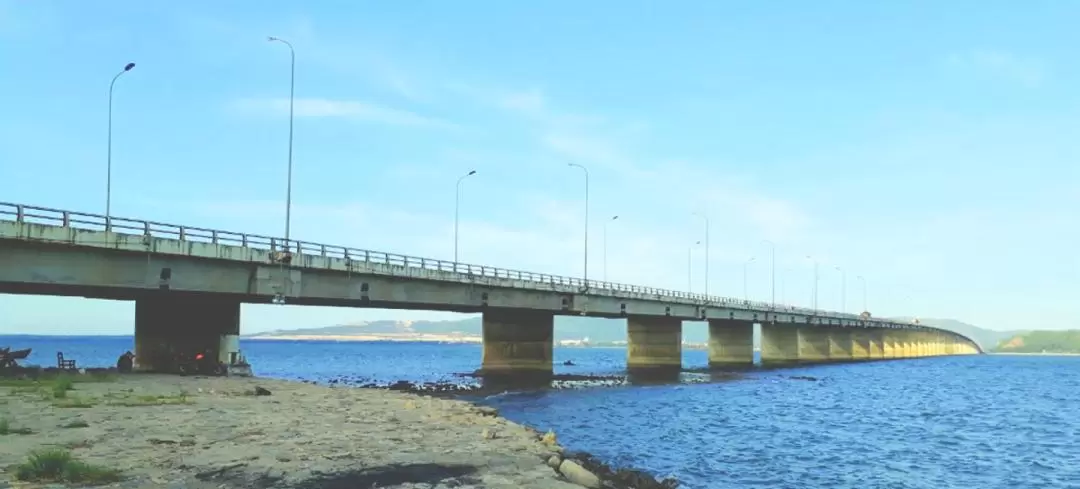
{"x": 188, "y": 284}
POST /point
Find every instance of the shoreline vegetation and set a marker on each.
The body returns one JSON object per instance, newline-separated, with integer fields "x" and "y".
{"x": 148, "y": 430}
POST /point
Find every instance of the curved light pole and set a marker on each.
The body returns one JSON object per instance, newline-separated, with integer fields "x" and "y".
{"x": 613, "y": 218}
{"x": 706, "y": 218}
{"x": 843, "y": 289}
{"x": 108, "y": 150}
{"x": 457, "y": 208}
{"x": 772, "y": 247}
{"x": 292, "y": 93}
{"x": 690, "y": 267}
{"x": 863, "y": 280}
{"x": 586, "y": 170}
{"x": 745, "y": 265}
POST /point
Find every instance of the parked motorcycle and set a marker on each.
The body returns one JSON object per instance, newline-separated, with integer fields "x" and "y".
{"x": 199, "y": 364}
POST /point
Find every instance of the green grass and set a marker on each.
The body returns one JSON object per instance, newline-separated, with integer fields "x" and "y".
{"x": 74, "y": 403}
{"x": 7, "y": 429}
{"x": 57, "y": 378}
{"x": 61, "y": 385}
{"x": 60, "y": 466}
{"x": 78, "y": 423}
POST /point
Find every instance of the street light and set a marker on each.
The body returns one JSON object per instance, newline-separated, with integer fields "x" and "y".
{"x": 745, "y": 265}
{"x": 292, "y": 93}
{"x": 772, "y": 247}
{"x": 586, "y": 170}
{"x": 814, "y": 295}
{"x": 457, "y": 208}
{"x": 690, "y": 267}
{"x": 613, "y": 218}
{"x": 843, "y": 289}
{"x": 108, "y": 150}
{"x": 706, "y": 218}
{"x": 863, "y": 280}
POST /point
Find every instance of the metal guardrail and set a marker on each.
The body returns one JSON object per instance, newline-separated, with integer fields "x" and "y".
{"x": 95, "y": 222}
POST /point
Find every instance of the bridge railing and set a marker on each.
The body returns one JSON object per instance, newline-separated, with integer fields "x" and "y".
{"x": 95, "y": 222}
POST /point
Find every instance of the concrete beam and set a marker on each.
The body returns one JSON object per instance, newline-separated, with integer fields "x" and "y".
{"x": 731, "y": 343}
{"x": 840, "y": 344}
{"x": 653, "y": 343}
{"x": 517, "y": 343}
{"x": 814, "y": 344}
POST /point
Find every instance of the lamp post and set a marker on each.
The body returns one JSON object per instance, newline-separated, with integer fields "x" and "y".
{"x": 863, "y": 280}
{"x": 706, "y": 218}
{"x": 814, "y": 294}
{"x": 108, "y": 151}
{"x": 772, "y": 248}
{"x": 457, "y": 208}
{"x": 292, "y": 93}
{"x": 586, "y": 170}
{"x": 745, "y": 265}
{"x": 613, "y": 218}
{"x": 843, "y": 289}
{"x": 690, "y": 267}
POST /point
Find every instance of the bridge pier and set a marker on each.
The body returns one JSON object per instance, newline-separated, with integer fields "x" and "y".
{"x": 860, "y": 344}
{"x": 841, "y": 343}
{"x": 731, "y": 343}
{"x": 517, "y": 343}
{"x": 779, "y": 344}
{"x": 653, "y": 343}
{"x": 171, "y": 324}
{"x": 875, "y": 343}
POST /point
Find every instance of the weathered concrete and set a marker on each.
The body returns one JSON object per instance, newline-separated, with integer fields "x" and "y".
{"x": 840, "y": 344}
{"x": 876, "y": 338}
{"x": 860, "y": 344}
{"x": 813, "y": 344}
{"x": 779, "y": 344}
{"x": 731, "y": 343}
{"x": 517, "y": 342}
{"x": 653, "y": 342}
{"x": 171, "y": 324}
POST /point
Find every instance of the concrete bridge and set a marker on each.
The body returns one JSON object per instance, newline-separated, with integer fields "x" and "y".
{"x": 188, "y": 284}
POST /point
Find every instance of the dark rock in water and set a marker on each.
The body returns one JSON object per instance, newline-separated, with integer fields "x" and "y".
{"x": 569, "y": 363}
{"x": 803, "y": 377}
{"x": 260, "y": 391}
{"x": 621, "y": 478}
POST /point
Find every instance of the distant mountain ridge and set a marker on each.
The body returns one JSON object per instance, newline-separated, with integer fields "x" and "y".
{"x": 577, "y": 327}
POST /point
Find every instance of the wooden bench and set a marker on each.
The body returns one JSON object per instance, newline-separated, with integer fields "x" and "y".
{"x": 64, "y": 364}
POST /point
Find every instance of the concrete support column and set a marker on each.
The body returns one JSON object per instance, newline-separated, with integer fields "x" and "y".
{"x": 169, "y": 325}
{"x": 876, "y": 340}
{"x": 814, "y": 344}
{"x": 840, "y": 343}
{"x": 889, "y": 348}
{"x": 653, "y": 343}
{"x": 517, "y": 342}
{"x": 731, "y": 343}
{"x": 860, "y": 344}
{"x": 779, "y": 344}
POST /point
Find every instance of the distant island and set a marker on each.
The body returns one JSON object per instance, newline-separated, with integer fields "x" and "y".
{"x": 570, "y": 331}
{"x": 1067, "y": 341}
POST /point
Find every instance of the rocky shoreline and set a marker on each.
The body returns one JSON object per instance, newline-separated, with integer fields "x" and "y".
{"x": 197, "y": 432}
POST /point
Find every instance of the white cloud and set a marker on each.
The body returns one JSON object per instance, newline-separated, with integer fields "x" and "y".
{"x": 1026, "y": 71}
{"x": 346, "y": 109}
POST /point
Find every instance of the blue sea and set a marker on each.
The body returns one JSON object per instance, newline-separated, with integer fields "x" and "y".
{"x": 975, "y": 422}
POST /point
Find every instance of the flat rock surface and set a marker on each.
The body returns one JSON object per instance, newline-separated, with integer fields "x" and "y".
{"x": 213, "y": 433}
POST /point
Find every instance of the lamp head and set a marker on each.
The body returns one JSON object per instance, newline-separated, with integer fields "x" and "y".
{"x": 129, "y": 66}
{"x": 473, "y": 172}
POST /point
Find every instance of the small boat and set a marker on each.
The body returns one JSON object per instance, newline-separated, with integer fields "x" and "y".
{"x": 8, "y": 358}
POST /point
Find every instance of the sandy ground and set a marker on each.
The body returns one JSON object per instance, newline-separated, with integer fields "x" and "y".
{"x": 176, "y": 432}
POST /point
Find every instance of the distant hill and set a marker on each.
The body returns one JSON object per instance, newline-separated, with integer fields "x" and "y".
{"x": 577, "y": 327}
{"x": 1067, "y": 341}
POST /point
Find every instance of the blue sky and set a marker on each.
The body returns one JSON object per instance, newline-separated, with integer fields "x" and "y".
{"x": 928, "y": 146}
